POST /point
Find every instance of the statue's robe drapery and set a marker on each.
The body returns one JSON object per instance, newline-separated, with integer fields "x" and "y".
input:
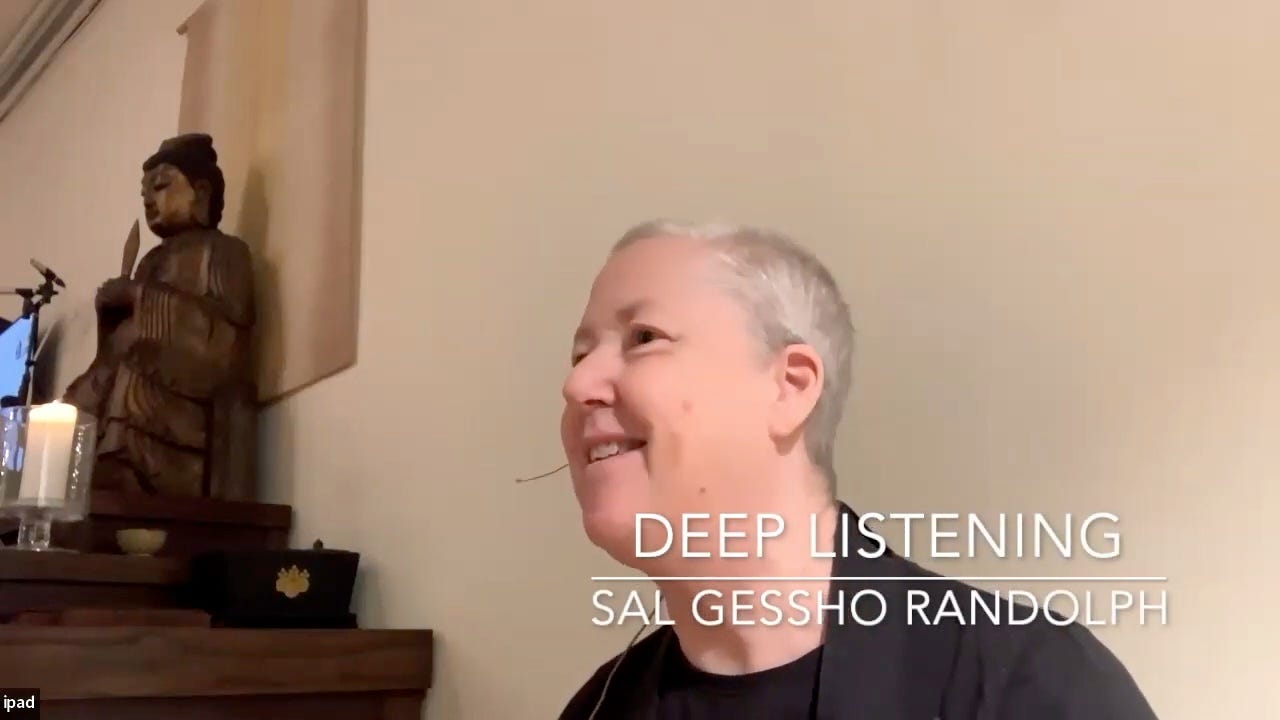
{"x": 165, "y": 372}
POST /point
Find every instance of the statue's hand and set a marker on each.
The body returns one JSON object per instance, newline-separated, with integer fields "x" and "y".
{"x": 143, "y": 356}
{"x": 120, "y": 292}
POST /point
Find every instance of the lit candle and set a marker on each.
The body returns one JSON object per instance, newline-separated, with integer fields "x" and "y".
{"x": 46, "y": 463}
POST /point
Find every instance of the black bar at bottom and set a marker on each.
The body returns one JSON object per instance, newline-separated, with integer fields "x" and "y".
{"x": 23, "y": 703}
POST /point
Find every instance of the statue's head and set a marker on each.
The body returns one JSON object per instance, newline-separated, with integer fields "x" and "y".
{"x": 182, "y": 185}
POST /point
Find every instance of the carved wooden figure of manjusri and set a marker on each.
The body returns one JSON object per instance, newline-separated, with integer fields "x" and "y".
{"x": 173, "y": 379}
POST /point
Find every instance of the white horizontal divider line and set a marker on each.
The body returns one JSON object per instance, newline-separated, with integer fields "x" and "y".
{"x": 877, "y": 578}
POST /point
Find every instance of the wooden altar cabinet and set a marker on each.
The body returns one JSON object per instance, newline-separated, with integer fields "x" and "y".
{"x": 155, "y": 673}
{"x": 109, "y": 636}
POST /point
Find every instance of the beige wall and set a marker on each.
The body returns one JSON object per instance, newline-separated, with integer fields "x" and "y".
{"x": 1056, "y": 223}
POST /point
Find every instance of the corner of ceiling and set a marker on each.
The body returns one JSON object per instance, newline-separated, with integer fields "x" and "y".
{"x": 34, "y": 41}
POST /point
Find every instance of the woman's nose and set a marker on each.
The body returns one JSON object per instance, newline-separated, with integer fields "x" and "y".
{"x": 591, "y": 381}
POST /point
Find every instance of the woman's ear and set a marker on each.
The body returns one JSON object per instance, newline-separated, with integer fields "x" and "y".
{"x": 800, "y": 378}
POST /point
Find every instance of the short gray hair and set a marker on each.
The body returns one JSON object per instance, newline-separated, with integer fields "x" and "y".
{"x": 793, "y": 299}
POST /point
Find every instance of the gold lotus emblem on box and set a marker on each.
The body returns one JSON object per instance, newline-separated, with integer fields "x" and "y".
{"x": 292, "y": 582}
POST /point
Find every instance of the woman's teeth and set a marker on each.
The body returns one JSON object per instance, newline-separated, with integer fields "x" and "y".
{"x": 609, "y": 449}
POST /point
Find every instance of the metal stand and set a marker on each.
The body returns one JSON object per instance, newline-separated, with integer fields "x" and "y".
{"x": 33, "y": 300}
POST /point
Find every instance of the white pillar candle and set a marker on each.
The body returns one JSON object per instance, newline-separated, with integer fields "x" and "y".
{"x": 46, "y": 461}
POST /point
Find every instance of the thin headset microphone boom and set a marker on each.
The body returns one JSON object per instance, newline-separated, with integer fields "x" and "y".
{"x": 545, "y": 474}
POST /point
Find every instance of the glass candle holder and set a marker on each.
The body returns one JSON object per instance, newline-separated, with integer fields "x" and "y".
{"x": 47, "y": 454}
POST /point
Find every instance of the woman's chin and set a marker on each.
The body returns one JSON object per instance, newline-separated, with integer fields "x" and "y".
{"x": 613, "y": 531}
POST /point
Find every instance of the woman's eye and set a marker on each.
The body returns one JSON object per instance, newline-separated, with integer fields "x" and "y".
{"x": 644, "y": 336}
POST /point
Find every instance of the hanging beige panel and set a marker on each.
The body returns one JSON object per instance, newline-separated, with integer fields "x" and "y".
{"x": 278, "y": 84}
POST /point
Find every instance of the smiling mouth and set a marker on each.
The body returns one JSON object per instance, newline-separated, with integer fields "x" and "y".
{"x": 604, "y": 451}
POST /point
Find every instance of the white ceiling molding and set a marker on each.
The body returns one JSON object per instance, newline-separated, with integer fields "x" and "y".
{"x": 37, "y": 40}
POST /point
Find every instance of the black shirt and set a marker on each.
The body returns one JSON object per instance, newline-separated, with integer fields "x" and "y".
{"x": 787, "y": 692}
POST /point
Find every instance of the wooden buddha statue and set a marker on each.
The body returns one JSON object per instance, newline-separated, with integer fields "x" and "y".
{"x": 172, "y": 384}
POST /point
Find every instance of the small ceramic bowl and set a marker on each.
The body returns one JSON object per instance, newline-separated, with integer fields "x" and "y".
{"x": 140, "y": 541}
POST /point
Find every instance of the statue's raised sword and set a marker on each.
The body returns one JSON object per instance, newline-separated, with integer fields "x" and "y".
{"x": 130, "y": 251}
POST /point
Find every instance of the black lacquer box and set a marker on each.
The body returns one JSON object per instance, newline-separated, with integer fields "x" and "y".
{"x": 275, "y": 588}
